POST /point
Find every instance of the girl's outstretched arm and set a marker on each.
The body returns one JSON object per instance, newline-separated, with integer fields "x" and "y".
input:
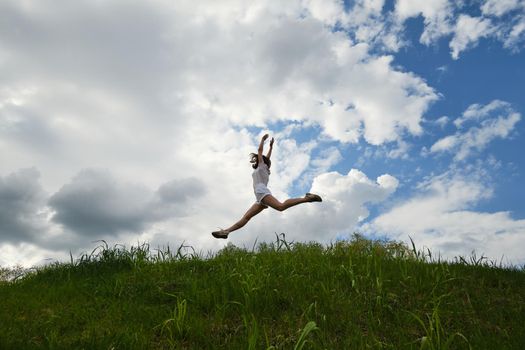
{"x": 261, "y": 147}
{"x": 270, "y": 150}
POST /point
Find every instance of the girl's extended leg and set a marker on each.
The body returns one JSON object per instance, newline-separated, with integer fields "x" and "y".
{"x": 255, "y": 209}
{"x": 273, "y": 202}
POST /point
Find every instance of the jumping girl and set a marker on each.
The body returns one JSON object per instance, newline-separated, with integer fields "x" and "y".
{"x": 264, "y": 199}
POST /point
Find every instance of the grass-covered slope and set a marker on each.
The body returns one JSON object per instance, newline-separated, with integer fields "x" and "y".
{"x": 350, "y": 295}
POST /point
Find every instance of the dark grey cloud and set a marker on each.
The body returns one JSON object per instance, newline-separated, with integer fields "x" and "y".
{"x": 96, "y": 204}
{"x": 21, "y": 201}
{"x": 179, "y": 191}
{"x": 173, "y": 198}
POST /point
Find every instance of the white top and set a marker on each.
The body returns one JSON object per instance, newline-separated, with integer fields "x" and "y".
{"x": 260, "y": 176}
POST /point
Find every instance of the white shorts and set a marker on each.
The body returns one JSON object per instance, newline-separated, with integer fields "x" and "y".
{"x": 260, "y": 193}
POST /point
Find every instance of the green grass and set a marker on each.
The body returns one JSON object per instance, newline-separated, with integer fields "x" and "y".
{"x": 357, "y": 294}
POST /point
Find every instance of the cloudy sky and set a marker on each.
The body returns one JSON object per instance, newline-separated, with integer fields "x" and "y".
{"x": 132, "y": 121}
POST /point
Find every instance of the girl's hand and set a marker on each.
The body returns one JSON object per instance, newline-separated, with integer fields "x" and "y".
{"x": 265, "y": 137}
{"x": 271, "y": 142}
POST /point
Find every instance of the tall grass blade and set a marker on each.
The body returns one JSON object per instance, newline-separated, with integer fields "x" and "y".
{"x": 308, "y": 328}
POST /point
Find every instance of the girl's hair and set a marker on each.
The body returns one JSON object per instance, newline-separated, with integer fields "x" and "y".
{"x": 255, "y": 160}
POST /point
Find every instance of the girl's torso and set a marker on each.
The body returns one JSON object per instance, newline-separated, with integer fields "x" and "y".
{"x": 261, "y": 176}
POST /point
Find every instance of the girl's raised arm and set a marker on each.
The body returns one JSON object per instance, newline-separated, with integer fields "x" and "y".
{"x": 270, "y": 150}
{"x": 261, "y": 147}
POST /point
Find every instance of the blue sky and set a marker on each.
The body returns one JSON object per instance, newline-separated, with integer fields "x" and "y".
{"x": 482, "y": 74}
{"x": 133, "y": 121}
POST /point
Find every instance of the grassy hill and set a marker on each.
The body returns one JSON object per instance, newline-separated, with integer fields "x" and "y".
{"x": 357, "y": 294}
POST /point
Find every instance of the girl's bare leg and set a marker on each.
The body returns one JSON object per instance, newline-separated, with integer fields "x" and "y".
{"x": 270, "y": 201}
{"x": 273, "y": 202}
{"x": 255, "y": 209}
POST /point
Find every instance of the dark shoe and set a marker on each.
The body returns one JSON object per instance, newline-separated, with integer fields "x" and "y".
{"x": 313, "y": 197}
{"x": 220, "y": 234}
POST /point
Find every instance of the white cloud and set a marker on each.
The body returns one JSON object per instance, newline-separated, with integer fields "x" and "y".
{"x": 477, "y": 111}
{"x": 27, "y": 255}
{"x": 401, "y": 151}
{"x": 511, "y": 17}
{"x": 328, "y": 157}
{"x": 516, "y": 35}
{"x": 442, "y": 121}
{"x": 323, "y": 162}
{"x": 329, "y": 12}
{"x": 445, "y": 144}
{"x": 342, "y": 189}
{"x": 497, "y": 121}
{"x": 368, "y": 22}
{"x": 500, "y": 20}
{"x": 412, "y": 8}
{"x": 346, "y": 195}
{"x": 85, "y": 78}
{"x": 500, "y": 7}
{"x": 440, "y": 217}
{"x": 468, "y": 31}
{"x": 437, "y": 16}
{"x": 121, "y": 67}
